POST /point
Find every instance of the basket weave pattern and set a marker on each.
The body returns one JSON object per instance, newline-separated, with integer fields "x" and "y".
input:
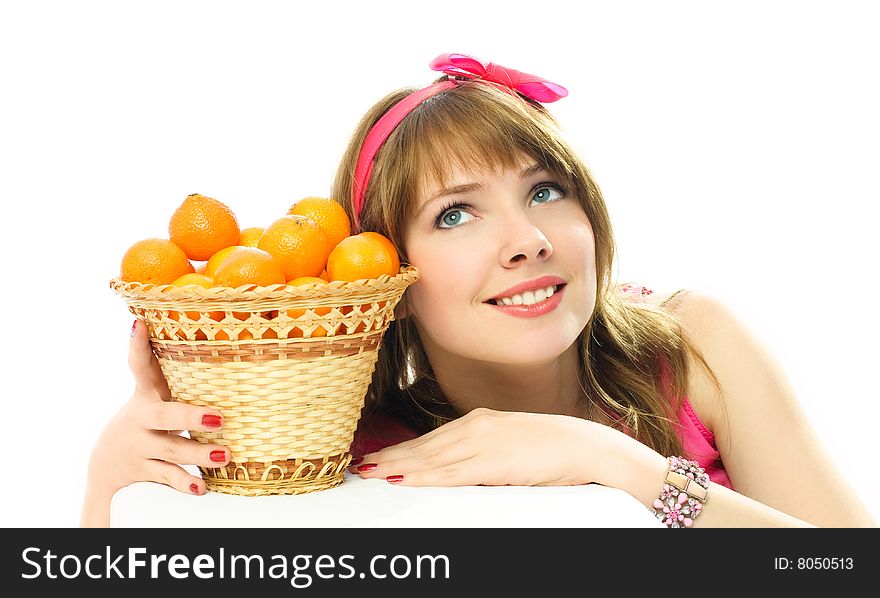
{"x": 288, "y": 368}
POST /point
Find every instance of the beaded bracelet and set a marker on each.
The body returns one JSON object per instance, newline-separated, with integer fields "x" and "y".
{"x": 685, "y": 489}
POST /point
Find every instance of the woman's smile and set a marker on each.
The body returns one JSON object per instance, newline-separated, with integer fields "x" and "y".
{"x": 529, "y": 304}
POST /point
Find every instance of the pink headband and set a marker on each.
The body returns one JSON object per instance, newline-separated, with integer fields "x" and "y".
{"x": 462, "y": 68}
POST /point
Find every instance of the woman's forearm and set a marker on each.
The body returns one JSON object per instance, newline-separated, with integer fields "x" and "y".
{"x": 726, "y": 508}
{"x": 640, "y": 471}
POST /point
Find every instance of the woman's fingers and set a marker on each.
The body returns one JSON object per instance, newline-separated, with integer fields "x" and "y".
{"x": 143, "y": 363}
{"x": 165, "y": 414}
{"x": 422, "y": 459}
{"x": 423, "y": 447}
{"x": 175, "y": 476}
{"x": 177, "y": 449}
{"x": 465, "y": 472}
{"x": 173, "y": 416}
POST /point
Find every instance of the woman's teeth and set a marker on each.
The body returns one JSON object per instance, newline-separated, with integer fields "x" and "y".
{"x": 527, "y": 298}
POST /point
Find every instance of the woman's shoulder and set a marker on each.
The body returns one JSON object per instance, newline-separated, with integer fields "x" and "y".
{"x": 736, "y": 368}
{"x": 702, "y": 318}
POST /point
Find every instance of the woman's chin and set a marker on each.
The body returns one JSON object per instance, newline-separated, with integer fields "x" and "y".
{"x": 534, "y": 350}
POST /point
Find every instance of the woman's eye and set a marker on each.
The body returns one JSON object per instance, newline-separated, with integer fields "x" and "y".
{"x": 547, "y": 192}
{"x": 452, "y": 217}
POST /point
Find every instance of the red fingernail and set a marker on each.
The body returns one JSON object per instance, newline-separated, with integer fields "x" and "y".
{"x": 218, "y": 456}
{"x": 356, "y": 461}
{"x": 367, "y": 467}
{"x": 212, "y": 421}
{"x": 194, "y": 488}
{"x": 134, "y": 327}
{"x": 394, "y": 478}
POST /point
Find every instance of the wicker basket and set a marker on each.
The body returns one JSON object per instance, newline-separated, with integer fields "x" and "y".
{"x": 288, "y": 367}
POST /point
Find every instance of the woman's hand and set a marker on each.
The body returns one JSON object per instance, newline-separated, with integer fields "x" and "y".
{"x": 142, "y": 441}
{"x": 496, "y": 448}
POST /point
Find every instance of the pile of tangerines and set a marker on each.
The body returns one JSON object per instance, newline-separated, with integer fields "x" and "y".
{"x": 311, "y": 243}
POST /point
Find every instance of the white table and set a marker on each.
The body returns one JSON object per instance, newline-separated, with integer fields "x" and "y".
{"x": 376, "y": 503}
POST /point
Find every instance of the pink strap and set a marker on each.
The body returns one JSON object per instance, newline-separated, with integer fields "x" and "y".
{"x": 459, "y": 66}
{"x": 377, "y": 136}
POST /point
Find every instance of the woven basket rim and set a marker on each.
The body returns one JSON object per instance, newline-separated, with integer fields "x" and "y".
{"x": 407, "y": 276}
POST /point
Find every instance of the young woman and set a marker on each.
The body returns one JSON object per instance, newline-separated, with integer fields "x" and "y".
{"x": 516, "y": 359}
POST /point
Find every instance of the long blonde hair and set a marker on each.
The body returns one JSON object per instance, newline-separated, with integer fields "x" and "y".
{"x": 626, "y": 344}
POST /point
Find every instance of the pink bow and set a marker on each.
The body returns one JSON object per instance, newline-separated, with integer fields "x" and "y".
{"x": 531, "y": 86}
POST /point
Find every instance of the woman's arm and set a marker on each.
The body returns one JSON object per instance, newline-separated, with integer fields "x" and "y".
{"x": 139, "y": 443}
{"x": 640, "y": 471}
{"x": 768, "y": 447}
{"x": 95, "y": 508}
{"x": 782, "y": 475}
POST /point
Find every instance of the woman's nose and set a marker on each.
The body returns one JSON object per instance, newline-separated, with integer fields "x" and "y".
{"x": 525, "y": 242}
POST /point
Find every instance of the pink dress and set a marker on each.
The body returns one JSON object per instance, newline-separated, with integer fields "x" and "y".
{"x": 699, "y": 444}
{"x": 378, "y": 431}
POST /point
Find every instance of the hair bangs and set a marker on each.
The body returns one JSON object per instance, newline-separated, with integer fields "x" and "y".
{"x": 477, "y": 127}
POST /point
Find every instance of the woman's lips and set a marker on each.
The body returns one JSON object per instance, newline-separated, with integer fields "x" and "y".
{"x": 530, "y": 285}
{"x": 532, "y": 311}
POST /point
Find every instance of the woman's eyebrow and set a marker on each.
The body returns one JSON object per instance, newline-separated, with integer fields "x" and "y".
{"x": 468, "y": 187}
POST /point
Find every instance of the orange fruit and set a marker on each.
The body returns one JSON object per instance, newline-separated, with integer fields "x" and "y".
{"x": 243, "y": 266}
{"x": 389, "y": 246}
{"x": 202, "y": 226}
{"x": 250, "y": 237}
{"x": 296, "y": 332}
{"x": 246, "y": 266}
{"x": 328, "y": 213}
{"x": 299, "y": 245}
{"x": 194, "y": 278}
{"x": 154, "y": 261}
{"x": 324, "y": 275}
{"x": 305, "y": 280}
{"x": 215, "y": 260}
{"x": 362, "y": 256}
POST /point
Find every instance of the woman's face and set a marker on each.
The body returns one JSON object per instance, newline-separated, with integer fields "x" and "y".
{"x": 476, "y": 240}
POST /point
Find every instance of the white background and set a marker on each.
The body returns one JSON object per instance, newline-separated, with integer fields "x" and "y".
{"x": 736, "y": 145}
